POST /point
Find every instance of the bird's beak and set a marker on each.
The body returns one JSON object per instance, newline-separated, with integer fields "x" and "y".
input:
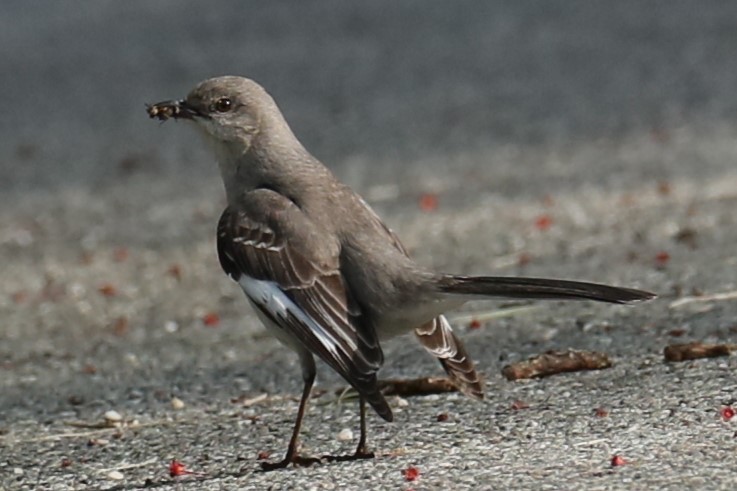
{"x": 172, "y": 109}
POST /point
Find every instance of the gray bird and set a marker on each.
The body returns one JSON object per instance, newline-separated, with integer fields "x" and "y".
{"x": 325, "y": 275}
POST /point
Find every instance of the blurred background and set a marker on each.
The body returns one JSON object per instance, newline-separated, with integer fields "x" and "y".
{"x": 585, "y": 139}
{"x": 472, "y": 84}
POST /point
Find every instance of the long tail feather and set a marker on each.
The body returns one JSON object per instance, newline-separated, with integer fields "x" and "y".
{"x": 540, "y": 288}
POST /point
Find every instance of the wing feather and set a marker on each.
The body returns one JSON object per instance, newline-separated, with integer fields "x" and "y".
{"x": 268, "y": 240}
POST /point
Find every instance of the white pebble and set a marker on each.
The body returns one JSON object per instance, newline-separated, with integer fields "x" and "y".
{"x": 113, "y": 416}
{"x": 17, "y": 471}
{"x": 177, "y": 403}
{"x": 132, "y": 359}
{"x": 171, "y": 326}
{"x": 345, "y": 435}
{"x": 84, "y": 307}
{"x": 402, "y": 402}
{"x": 77, "y": 290}
{"x": 115, "y": 475}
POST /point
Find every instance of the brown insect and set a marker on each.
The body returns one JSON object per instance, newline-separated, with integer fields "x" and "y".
{"x": 163, "y": 110}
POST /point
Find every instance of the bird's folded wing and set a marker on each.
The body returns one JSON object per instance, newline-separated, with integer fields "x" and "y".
{"x": 267, "y": 240}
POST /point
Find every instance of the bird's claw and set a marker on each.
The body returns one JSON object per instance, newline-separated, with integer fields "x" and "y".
{"x": 359, "y": 455}
{"x": 296, "y": 461}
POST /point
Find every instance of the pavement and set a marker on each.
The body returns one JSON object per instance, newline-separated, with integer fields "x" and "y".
{"x": 586, "y": 140}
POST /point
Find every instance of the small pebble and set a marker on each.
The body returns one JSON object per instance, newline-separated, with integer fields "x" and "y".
{"x": 171, "y": 326}
{"x": 345, "y": 435}
{"x": 402, "y": 402}
{"x": 177, "y": 403}
{"x": 132, "y": 359}
{"x": 77, "y": 290}
{"x": 113, "y": 416}
{"x": 17, "y": 471}
{"x": 115, "y": 475}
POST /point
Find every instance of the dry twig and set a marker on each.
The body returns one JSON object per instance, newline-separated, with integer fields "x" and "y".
{"x": 554, "y": 362}
{"x": 696, "y": 350}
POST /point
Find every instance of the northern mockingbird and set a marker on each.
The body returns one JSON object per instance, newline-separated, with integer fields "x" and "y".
{"x": 320, "y": 268}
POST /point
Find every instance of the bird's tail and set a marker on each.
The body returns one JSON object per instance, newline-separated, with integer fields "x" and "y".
{"x": 437, "y": 338}
{"x": 539, "y": 288}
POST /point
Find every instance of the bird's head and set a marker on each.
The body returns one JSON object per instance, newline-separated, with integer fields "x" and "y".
{"x": 227, "y": 109}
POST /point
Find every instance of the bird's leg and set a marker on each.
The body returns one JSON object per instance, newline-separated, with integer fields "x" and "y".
{"x": 292, "y": 457}
{"x": 361, "y": 451}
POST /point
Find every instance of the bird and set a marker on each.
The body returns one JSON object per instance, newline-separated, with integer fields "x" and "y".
{"x": 322, "y": 271}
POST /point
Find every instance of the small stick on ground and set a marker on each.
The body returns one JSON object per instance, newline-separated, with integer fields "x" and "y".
{"x": 554, "y": 362}
{"x": 696, "y": 350}
{"x": 416, "y": 387}
{"x": 716, "y": 297}
{"x": 125, "y": 466}
{"x": 408, "y": 387}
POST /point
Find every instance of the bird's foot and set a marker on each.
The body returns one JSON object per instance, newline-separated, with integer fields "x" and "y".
{"x": 295, "y": 460}
{"x": 361, "y": 454}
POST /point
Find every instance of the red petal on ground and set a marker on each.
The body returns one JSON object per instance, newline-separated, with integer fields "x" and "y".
{"x": 176, "y": 468}
{"x": 543, "y": 222}
{"x": 428, "y": 202}
{"x": 411, "y": 473}
{"x": 211, "y": 319}
{"x": 618, "y": 460}
{"x": 108, "y": 290}
{"x": 662, "y": 258}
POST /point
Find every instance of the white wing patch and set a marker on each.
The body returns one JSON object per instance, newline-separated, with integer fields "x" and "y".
{"x": 258, "y": 244}
{"x": 269, "y": 296}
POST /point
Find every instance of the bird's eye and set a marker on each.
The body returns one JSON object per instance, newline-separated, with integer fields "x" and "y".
{"x": 223, "y": 105}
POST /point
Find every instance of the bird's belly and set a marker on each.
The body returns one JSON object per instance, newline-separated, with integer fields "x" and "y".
{"x": 407, "y": 318}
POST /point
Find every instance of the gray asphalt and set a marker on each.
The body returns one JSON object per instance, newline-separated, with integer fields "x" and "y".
{"x": 614, "y": 121}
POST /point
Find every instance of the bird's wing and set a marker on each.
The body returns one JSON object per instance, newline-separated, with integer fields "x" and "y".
{"x": 290, "y": 270}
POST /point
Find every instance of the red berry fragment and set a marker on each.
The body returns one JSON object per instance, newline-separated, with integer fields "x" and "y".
{"x": 263, "y": 455}
{"x": 661, "y": 259}
{"x": 411, "y": 473}
{"x": 177, "y": 469}
{"x": 474, "y": 324}
{"x": 65, "y": 462}
{"x": 428, "y": 202}
{"x": 618, "y": 460}
{"x": 443, "y": 417}
{"x": 108, "y": 290}
{"x": 211, "y": 319}
{"x": 727, "y": 413}
{"x": 664, "y": 188}
{"x": 601, "y": 412}
{"x": 543, "y": 222}
{"x": 175, "y": 271}
{"x": 120, "y": 326}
